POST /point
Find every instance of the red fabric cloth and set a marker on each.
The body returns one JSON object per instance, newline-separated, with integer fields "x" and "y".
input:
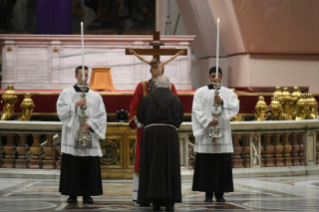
{"x": 140, "y": 92}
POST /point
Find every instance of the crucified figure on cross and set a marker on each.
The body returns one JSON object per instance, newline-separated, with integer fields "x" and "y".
{"x": 156, "y": 66}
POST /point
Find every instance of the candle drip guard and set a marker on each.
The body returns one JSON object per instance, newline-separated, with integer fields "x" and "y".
{"x": 216, "y": 132}
{"x": 83, "y": 138}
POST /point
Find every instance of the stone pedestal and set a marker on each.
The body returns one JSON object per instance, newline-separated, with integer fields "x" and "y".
{"x": 287, "y": 150}
{"x": 49, "y": 162}
{"x": 36, "y": 150}
{"x": 278, "y": 150}
{"x": 246, "y": 150}
{"x": 237, "y": 160}
{"x": 22, "y": 149}
{"x": 10, "y": 150}
{"x": 268, "y": 151}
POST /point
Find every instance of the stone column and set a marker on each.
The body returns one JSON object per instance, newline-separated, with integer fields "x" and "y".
{"x": 301, "y": 149}
{"x": 278, "y": 150}
{"x": 287, "y": 150}
{"x": 268, "y": 151}
{"x": 36, "y": 150}
{"x": 49, "y": 162}
{"x": 9, "y": 149}
{"x": 237, "y": 160}
{"x": 1, "y": 151}
{"x": 58, "y": 163}
{"x": 22, "y": 149}
{"x": 246, "y": 151}
{"x": 295, "y": 149}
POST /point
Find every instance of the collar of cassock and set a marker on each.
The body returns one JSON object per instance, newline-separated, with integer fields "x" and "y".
{"x": 78, "y": 89}
{"x": 211, "y": 87}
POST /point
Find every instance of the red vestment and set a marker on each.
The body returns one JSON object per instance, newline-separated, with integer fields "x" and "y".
{"x": 140, "y": 92}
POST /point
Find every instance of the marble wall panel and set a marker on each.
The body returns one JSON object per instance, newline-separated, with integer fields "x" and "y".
{"x": 49, "y": 62}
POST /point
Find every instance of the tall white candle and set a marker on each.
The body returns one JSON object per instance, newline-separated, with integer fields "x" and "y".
{"x": 217, "y": 49}
{"x": 82, "y": 38}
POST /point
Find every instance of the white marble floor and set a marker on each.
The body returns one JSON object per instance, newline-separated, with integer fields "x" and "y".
{"x": 299, "y": 193}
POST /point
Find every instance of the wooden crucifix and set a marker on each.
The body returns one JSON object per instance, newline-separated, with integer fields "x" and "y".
{"x": 156, "y": 51}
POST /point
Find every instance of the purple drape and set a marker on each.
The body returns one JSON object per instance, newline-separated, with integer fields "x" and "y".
{"x": 54, "y": 17}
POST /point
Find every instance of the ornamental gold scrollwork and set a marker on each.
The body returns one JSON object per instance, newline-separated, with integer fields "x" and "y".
{"x": 110, "y": 152}
{"x": 27, "y": 106}
{"x": 9, "y": 98}
{"x": 132, "y": 151}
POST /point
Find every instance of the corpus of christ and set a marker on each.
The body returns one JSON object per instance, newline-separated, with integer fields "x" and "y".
{"x": 159, "y": 105}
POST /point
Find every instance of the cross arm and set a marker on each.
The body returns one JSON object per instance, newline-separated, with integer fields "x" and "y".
{"x": 156, "y": 52}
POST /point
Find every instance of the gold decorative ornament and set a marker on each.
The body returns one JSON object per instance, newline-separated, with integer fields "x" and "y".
{"x": 238, "y": 117}
{"x": 9, "y": 98}
{"x": 9, "y": 49}
{"x": 313, "y": 107}
{"x": 27, "y": 106}
{"x": 301, "y": 107}
{"x": 293, "y": 101}
{"x": 56, "y": 49}
{"x": 277, "y": 112}
{"x": 286, "y": 101}
{"x": 278, "y": 93}
{"x": 260, "y": 108}
{"x": 110, "y": 151}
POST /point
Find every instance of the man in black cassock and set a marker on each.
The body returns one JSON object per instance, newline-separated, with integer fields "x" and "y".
{"x": 161, "y": 113}
{"x": 213, "y": 163}
{"x": 80, "y": 168}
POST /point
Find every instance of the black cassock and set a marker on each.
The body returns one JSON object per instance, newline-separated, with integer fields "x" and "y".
{"x": 160, "y": 176}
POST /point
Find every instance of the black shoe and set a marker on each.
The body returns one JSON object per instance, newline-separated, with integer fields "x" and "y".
{"x": 145, "y": 205}
{"x": 208, "y": 199}
{"x": 88, "y": 199}
{"x": 72, "y": 199}
{"x": 220, "y": 199}
{"x": 156, "y": 208}
{"x": 170, "y": 208}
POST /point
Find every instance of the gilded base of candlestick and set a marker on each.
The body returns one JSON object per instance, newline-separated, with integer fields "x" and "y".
{"x": 84, "y": 137}
{"x": 216, "y": 132}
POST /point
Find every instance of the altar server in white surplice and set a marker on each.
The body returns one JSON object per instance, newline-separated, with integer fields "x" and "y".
{"x": 80, "y": 168}
{"x": 213, "y": 163}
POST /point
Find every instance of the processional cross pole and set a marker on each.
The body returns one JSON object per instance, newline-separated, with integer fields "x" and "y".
{"x": 156, "y": 51}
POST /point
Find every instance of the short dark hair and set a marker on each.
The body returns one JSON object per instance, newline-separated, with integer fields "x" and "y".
{"x": 80, "y": 67}
{"x": 213, "y": 70}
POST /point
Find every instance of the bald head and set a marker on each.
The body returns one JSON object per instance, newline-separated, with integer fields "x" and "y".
{"x": 162, "y": 82}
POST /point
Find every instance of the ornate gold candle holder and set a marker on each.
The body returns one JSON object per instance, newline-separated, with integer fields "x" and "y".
{"x": 301, "y": 106}
{"x": 277, "y": 112}
{"x": 278, "y": 93}
{"x": 84, "y": 137}
{"x": 294, "y": 99}
{"x": 27, "y": 106}
{"x": 9, "y": 98}
{"x": 217, "y": 131}
{"x": 260, "y": 108}
{"x": 312, "y": 107}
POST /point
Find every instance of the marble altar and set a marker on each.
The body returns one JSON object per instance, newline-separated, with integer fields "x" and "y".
{"x": 48, "y": 61}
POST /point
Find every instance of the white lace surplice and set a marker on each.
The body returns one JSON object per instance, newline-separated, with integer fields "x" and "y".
{"x": 201, "y": 116}
{"x": 68, "y": 115}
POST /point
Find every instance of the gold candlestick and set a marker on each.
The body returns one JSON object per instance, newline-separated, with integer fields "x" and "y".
{"x": 9, "y": 98}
